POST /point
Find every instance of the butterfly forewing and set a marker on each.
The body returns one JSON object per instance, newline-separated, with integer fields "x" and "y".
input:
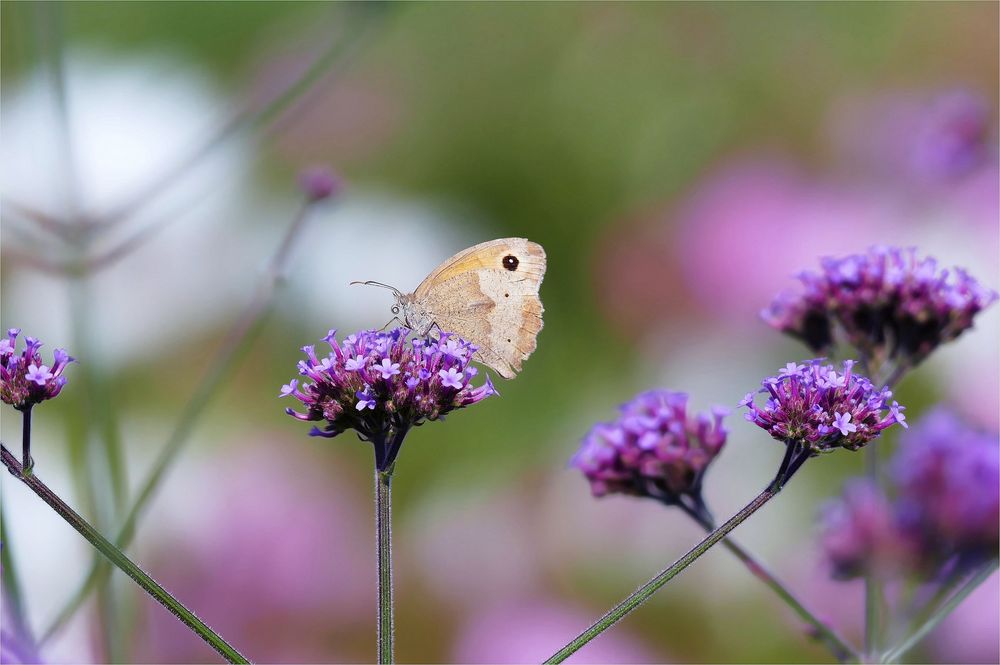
{"x": 488, "y": 294}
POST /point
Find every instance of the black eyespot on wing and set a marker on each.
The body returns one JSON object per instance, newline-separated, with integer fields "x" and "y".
{"x": 508, "y": 339}
{"x": 506, "y": 295}
{"x": 510, "y": 262}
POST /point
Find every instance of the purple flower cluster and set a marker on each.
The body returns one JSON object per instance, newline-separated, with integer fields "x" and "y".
{"x": 24, "y": 379}
{"x": 948, "y": 480}
{"x": 859, "y": 534}
{"x": 380, "y": 384}
{"x": 888, "y": 302}
{"x": 654, "y": 448}
{"x": 945, "y": 510}
{"x": 814, "y": 405}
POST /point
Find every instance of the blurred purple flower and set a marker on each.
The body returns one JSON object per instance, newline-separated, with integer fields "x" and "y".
{"x": 16, "y": 644}
{"x": 859, "y": 533}
{"x": 888, "y": 302}
{"x": 530, "y": 631}
{"x": 15, "y": 648}
{"x": 271, "y": 550}
{"x": 380, "y": 386}
{"x": 319, "y": 182}
{"x": 948, "y": 479}
{"x": 814, "y": 405}
{"x": 953, "y": 137}
{"x": 24, "y": 379}
{"x": 945, "y": 514}
{"x": 654, "y": 449}
{"x": 922, "y": 138}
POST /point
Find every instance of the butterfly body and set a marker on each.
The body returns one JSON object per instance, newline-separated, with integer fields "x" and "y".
{"x": 487, "y": 294}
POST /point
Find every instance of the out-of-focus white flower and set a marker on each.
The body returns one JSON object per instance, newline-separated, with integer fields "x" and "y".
{"x": 130, "y": 121}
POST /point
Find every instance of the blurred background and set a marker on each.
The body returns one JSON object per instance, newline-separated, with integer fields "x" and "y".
{"x": 679, "y": 162}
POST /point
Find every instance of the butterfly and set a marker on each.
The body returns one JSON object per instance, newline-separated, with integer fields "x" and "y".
{"x": 486, "y": 294}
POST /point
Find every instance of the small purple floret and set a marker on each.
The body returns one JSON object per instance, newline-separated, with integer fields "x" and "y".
{"x": 654, "y": 448}
{"x": 451, "y": 378}
{"x": 822, "y": 408}
{"x": 24, "y": 379}
{"x": 387, "y": 368}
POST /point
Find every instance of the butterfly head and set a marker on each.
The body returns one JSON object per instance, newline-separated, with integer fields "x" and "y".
{"x": 407, "y": 309}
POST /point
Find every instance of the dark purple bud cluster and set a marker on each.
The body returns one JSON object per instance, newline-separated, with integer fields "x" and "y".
{"x": 887, "y": 302}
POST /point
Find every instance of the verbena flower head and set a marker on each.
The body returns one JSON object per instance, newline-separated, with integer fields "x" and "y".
{"x": 655, "y": 448}
{"x": 381, "y": 384}
{"x": 25, "y": 379}
{"x": 948, "y": 480}
{"x": 815, "y": 405}
{"x": 860, "y": 534}
{"x": 942, "y": 510}
{"x": 319, "y": 183}
{"x": 889, "y": 303}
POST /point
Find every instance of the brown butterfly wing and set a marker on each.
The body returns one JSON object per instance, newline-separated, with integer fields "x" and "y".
{"x": 488, "y": 294}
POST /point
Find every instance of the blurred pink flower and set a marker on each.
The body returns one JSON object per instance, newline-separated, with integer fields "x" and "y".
{"x": 753, "y": 224}
{"x": 532, "y": 630}
{"x": 279, "y": 563}
{"x": 456, "y": 538}
{"x": 636, "y": 279}
{"x": 969, "y": 634}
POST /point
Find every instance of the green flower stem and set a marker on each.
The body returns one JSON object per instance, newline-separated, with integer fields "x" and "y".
{"x": 874, "y": 601}
{"x": 645, "y": 591}
{"x": 841, "y": 650}
{"x": 237, "y": 342}
{"x": 938, "y": 615}
{"x": 119, "y": 559}
{"x": 383, "y": 545}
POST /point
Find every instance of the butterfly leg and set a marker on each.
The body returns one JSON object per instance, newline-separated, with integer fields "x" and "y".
{"x": 431, "y": 327}
{"x": 395, "y": 318}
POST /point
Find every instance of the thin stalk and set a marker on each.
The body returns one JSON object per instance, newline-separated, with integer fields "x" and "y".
{"x": 237, "y": 342}
{"x": 338, "y": 51}
{"x": 943, "y": 611}
{"x": 875, "y": 603}
{"x": 26, "y": 462}
{"x": 794, "y": 458}
{"x": 383, "y": 546}
{"x": 874, "y": 600}
{"x": 116, "y": 557}
{"x": 840, "y": 649}
{"x": 88, "y": 420}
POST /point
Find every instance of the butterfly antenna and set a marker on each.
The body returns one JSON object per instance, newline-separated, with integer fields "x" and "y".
{"x": 380, "y": 284}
